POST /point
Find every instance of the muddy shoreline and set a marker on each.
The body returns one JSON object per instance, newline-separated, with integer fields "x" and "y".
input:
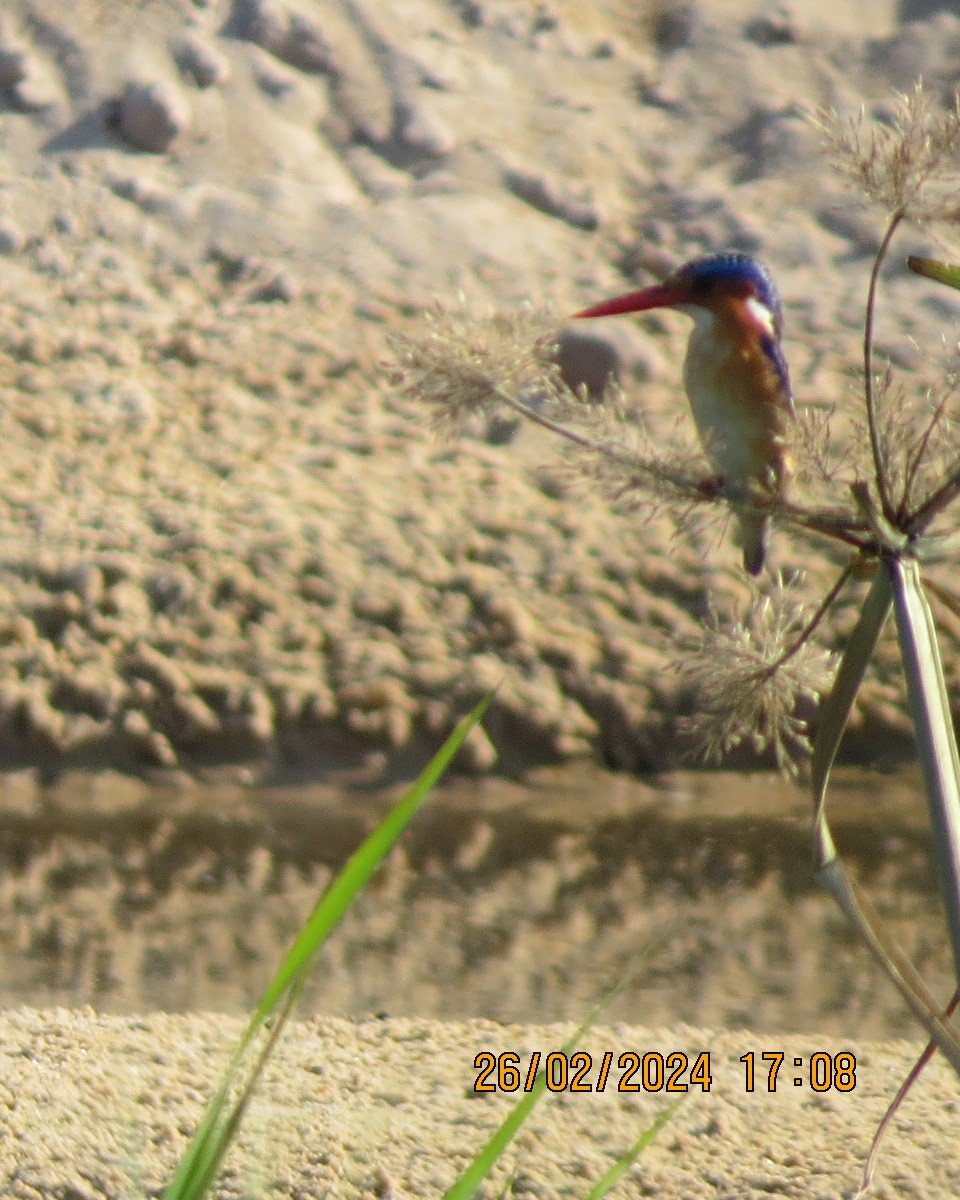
{"x": 225, "y": 537}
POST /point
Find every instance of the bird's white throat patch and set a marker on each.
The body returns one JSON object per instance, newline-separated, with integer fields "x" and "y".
{"x": 703, "y": 319}
{"x": 761, "y": 314}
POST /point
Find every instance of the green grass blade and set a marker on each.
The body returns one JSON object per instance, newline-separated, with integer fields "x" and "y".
{"x": 833, "y": 875}
{"x": 933, "y": 731}
{"x": 933, "y": 268}
{"x": 361, "y": 866}
{"x": 862, "y": 915}
{"x": 204, "y": 1159}
{"x": 506, "y": 1131}
{"x": 201, "y": 1162}
{"x": 198, "y": 1167}
{"x": 836, "y": 708}
{"x": 483, "y": 1163}
{"x": 630, "y": 1156}
{"x": 503, "y": 1135}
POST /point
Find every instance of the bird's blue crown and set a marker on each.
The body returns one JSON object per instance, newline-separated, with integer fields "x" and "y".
{"x": 718, "y": 269}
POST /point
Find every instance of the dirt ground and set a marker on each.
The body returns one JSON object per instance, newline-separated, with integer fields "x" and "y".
{"x": 245, "y": 591}
{"x": 388, "y": 1107}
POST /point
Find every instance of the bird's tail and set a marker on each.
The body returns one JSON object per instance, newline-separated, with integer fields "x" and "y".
{"x": 753, "y": 537}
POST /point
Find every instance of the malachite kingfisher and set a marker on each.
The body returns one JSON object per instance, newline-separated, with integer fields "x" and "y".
{"x": 735, "y": 375}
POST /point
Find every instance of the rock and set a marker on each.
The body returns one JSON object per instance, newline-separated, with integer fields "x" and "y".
{"x": 201, "y": 62}
{"x": 551, "y": 197}
{"x": 11, "y": 238}
{"x": 279, "y": 286}
{"x": 13, "y": 66}
{"x": 152, "y": 115}
{"x": 424, "y": 133}
{"x": 587, "y": 360}
{"x": 289, "y": 35}
{"x": 27, "y": 79}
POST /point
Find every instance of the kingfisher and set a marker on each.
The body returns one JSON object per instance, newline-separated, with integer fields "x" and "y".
{"x": 735, "y": 375}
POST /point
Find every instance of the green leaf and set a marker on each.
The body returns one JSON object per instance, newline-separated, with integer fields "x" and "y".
{"x": 888, "y": 580}
{"x": 838, "y": 704}
{"x": 933, "y": 268}
{"x": 201, "y": 1164}
{"x": 630, "y": 1156}
{"x": 933, "y": 731}
{"x": 357, "y": 873}
{"x": 481, "y": 1166}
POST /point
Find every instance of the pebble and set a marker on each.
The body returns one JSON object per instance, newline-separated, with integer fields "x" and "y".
{"x": 470, "y": 12}
{"x": 289, "y": 35}
{"x": 276, "y": 80}
{"x": 478, "y": 754}
{"x": 152, "y": 115}
{"x": 39, "y": 89}
{"x": 377, "y": 178}
{"x": 859, "y": 228}
{"x": 776, "y": 28}
{"x": 551, "y": 197}
{"x": 923, "y": 49}
{"x": 13, "y": 66}
{"x": 27, "y": 79}
{"x": 280, "y": 286}
{"x": 423, "y": 132}
{"x": 675, "y": 26}
{"x": 130, "y": 403}
{"x": 201, "y": 62}
{"x": 12, "y": 239}
{"x": 587, "y": 360}
{"x": 770, "y": 140}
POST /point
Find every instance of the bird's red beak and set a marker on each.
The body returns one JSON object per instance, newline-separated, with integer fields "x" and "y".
{"x": 662, "y": 295}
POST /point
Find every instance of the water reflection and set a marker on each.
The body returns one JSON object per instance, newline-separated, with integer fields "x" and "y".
{"x": 511, "y": 900}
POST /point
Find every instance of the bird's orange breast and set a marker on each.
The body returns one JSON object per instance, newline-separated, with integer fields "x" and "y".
{"x": 739, "y": 397}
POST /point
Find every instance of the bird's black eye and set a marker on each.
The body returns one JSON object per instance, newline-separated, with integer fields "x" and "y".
{"x": 703, "y": 283}
{"x": 703, "y": 286}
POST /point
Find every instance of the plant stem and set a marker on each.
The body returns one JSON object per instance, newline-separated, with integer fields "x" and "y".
{"x": 839, "y": 524}
{"x": 936, "y": 502}
{"x": 879, "y": 466}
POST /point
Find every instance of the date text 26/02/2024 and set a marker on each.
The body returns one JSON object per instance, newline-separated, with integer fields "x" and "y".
{"x": 652, "y": 1071}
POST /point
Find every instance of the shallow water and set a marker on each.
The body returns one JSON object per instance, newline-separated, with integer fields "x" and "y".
{"x": 510, "y": 900}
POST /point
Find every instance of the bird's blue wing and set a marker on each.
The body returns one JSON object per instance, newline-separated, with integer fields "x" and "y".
{"x": 774, "y": 353}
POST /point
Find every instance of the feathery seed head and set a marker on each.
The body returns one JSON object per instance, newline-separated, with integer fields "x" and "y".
{"x": 910, "y": 167}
